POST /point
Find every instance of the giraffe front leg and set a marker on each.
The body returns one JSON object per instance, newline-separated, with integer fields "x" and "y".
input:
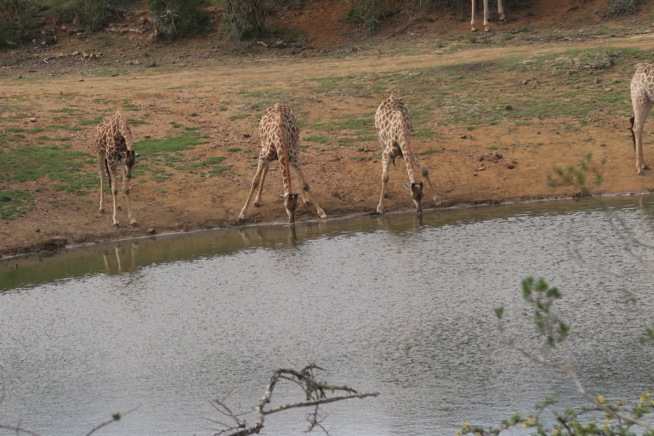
{"x": 255, "y": 184}
{"x": 114, "y": 194}
{"x": 486, "y": 28}
{"x": 500, "y": 10}
{"x": 257, "y": 199}
{"x": 307, "y": 196}
{"x": 385, "y": 163}
{"x": 101, "y": 174}
{"x": 425, "y": 174}
{"x": 130, "y": 214}
{"x": 637, "y": 130}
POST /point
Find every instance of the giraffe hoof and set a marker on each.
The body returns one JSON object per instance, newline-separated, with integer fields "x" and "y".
{"x": 116, "y": 225}
{"x": 134, "y": 224}
{"x": 645, "y": 167}
{"x": 255, "y": 205}
{"x": 101, "y": 211}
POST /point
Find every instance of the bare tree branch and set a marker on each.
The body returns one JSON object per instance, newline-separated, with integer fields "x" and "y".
{"x": 315, "y": 393}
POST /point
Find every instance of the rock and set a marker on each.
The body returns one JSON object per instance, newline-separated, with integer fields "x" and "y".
{"x": 491, "y": 157}
{"x": 510, "y": 166}
{"x": 608, "y": 89}
{"x": 32, "y": 119}
{"x": 463, "y": 136}
{"x": 508, "y": 107}
{"x": 481, "y": 168}
{"x": 19, "y": 76}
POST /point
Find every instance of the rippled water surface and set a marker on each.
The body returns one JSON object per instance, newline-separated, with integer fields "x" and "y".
{"x": 400, "y": 305}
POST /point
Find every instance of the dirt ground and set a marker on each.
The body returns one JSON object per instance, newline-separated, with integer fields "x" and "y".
{"x": 198, "y": 83}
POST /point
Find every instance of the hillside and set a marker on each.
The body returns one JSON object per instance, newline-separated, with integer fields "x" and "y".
{"x": 543, "y": 90}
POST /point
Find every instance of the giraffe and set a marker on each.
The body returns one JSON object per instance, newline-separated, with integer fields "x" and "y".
{"x": 642, "y": 100}
{"x": 113, "y": 144}
{"x": 394, "y": 125}
{"x": 280, "y": 135}
{"x": 500, "y": 10}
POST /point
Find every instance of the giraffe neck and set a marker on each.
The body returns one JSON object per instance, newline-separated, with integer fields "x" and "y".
{"x": 283, "y": 160}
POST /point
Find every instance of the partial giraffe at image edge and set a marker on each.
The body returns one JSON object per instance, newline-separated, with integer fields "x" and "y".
{"x": 642, "y": 100}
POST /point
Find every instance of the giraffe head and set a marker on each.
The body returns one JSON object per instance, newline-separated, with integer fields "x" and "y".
{"x": 290, "y": 203}
{"x": 129, "y": 159}
{"x": 416, "y": 194}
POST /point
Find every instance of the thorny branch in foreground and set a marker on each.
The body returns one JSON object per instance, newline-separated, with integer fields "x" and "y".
{"x": 316, "y": 394}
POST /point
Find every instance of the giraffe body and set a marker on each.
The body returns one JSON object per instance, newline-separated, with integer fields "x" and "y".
{"x": 642, "y": 100}
{"x": 500, "y": 11}
{"x": 113, "y": 146}
{"x": 393, "y": 123}
{"x": 280, "y": 134}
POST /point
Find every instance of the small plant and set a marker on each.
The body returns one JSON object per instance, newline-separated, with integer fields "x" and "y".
{"x": 368, "y": 12}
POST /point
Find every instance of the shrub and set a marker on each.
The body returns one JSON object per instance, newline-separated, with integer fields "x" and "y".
{"x": 17, "y": 21}
{"x": 247, "y": 18}
{"x": 622, "y": 7}
{"x": 368, "y": 12}
{"x": 91, "y": 13}
{"x": 175, "y": 18}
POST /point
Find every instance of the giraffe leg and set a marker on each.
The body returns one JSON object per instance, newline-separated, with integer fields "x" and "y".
{"x": 263, "y": 162}
{"x": 101, "y": 170}
{"x": 472, "y": 22}
{"x": 306, "y": 191}
{"x": 114, "y": 194}
{"x": 425, "y": 174}
{"x": 500, "y": 10}
{"x": 386, "y": 160}
{"x": 132, "y": 218}
{"x": 257, "y": 199}
{"x": 641, "y": 109}
{"x": 486, "y": 28}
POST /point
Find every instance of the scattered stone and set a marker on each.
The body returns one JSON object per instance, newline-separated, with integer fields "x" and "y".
{"x": 147, "y": 136}
{"x": 19, "y": 76}
{"x": 608, "y": 89}
{"x": 510, "y": 166}
{"x": 151, "y": 231}
{"x": 491, "y": 157}
{"x": 38, "y": 230}
{"x": 151, "y": 64}
{"x": 508, "y": 107}
{"x": 481, "y": 168}
{"x": 32, "y": 119}
{"x": 81, "y": 80}
{"x": 463, "y": 136}
{"x": 602, "y": 145}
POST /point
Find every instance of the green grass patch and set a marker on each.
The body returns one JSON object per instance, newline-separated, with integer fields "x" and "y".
{"x": 317, "y": 138}
{"x": 234, "y": 149}
{"x": 64, "y": 167}
{"x": 428, "y": 151}
{"x": 15, "y": 204}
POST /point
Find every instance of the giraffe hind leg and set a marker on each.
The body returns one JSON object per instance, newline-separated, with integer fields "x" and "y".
{"x": 255, "y": 184}
{"x": 257, "y": 199}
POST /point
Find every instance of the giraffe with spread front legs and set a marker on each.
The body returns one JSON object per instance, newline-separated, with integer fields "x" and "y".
{"x": 642, "y": 100}
{"x": 113, "y": 145}
{"x": 393, "y": 123}
{"x": 500, "y": 11}
{"x": 280, "y": 134}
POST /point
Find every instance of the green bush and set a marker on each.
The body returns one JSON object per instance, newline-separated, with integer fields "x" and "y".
{"x": 91, "y": 13}
{"x": 175, "y": 18}
{"x": 17, "y": 21}
{"x": 622, "y": 7}
{"x": 247, "y": 18}
{"x": 368, "y": 12}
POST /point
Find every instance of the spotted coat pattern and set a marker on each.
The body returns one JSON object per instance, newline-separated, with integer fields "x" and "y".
{"x": 393, "y": 123}
{"x": 642, "y": 100}
{"x": 280, "y": 134}
{"x": 113, "y": 146}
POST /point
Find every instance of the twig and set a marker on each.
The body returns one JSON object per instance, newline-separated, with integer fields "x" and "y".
{"x": 401, "y": 29}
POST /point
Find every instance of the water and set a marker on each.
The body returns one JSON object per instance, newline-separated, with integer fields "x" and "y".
{"x": 400, "y": 305}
